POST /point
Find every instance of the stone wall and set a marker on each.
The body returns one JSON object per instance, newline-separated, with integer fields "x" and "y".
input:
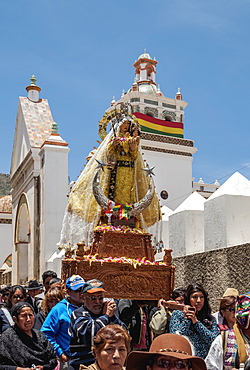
{"x": 216, "y": 270}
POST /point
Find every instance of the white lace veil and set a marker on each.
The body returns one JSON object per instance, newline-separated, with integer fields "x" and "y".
{"x": 82, "y": 213}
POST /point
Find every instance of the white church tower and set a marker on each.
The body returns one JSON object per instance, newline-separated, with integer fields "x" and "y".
{"x": 39, "y": 179}
{"x": 162, "y": 136}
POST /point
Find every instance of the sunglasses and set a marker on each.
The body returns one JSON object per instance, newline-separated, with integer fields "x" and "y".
{"x": 16, "y": 296}
{"x": 231, "y": 309}
{"x": 166, "y": 364}
{"x": 5, "y": 294}
{"x": 100, "y": 298}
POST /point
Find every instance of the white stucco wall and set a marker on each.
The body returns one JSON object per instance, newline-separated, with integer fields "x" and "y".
{"x": 21, "y": 142}
{"x": 54, "y": 198}
{"x": 165, "y": 233}
{"x": 173, "y": 173}
{"x": 177, "y": 238}
{"x": 227, "y": 220}
{"x": 166, "y": 212}
{"x": 194, "y": 227}
{"x": 186, "y": 232}
{"x": 5, "y": 240}
{"x": 27, "y": 173}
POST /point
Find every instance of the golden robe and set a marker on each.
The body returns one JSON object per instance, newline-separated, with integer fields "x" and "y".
{"x": 122, "y": 190}
{"x": 131, "y": 184}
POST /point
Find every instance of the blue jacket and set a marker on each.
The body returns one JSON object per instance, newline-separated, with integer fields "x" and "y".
{"x": 83, "y": 327}
{"x": 4, "y": 323}
{"x": 56, "y": 326}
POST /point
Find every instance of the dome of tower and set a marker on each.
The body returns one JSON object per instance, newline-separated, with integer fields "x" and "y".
{"x": 144, "y": 56}
{"x": 148, "y": 88}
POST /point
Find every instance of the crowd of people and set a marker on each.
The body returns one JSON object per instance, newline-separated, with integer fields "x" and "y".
{"x": 72, "y": 325}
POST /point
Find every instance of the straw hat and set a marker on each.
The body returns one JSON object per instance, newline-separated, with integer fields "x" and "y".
{"x": 172, "y": 345}
{"x": 229, "y": 292}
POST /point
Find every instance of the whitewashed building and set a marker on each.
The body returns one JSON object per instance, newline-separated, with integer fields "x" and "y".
{"x": 186, "y": 226}
{"x": 227, "y": 214}
{"x": 39, "y": 180}
{"x": 199, "y": 225}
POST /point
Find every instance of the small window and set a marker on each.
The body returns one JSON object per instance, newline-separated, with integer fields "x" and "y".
{"x": 164, "y": 194}
{"x": 168, "y": 118}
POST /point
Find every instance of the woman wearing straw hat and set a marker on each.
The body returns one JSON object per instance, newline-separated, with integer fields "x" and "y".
{"x": 168, "y": 351}
{"x": 232, "y": 348}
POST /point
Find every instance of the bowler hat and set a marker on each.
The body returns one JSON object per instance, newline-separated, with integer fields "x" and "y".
{"x": 33, "y": 285}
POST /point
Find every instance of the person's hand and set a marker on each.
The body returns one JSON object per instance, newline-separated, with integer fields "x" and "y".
{"x": 133, "y": 144}
{"x": 160, "y": 303}
{"x": 116, "y": 141}
{"x": 63, "y": 358}
{"x": 109, "y": 308}
{"x": 190, "y": 313}
{"x": 38, "y": 367}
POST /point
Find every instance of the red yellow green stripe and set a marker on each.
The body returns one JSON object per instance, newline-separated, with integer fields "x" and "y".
{"x": 157, "y": 126}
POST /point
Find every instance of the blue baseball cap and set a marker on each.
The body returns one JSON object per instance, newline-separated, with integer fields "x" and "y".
{"x": 74, "y": 282}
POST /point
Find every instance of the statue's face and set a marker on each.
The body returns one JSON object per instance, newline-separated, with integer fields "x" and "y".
{"x": 135, "y": 133}
{"x": 124, "y": 127}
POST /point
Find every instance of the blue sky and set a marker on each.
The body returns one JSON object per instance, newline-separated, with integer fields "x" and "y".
{"x": 82, "y": 53}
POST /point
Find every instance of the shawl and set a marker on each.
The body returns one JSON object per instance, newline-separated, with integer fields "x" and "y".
{"x": 234, "y": 341}
{"x": 20, "y": 350}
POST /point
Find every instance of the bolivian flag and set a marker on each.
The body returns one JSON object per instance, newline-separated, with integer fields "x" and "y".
{"x": 158, "y": 126}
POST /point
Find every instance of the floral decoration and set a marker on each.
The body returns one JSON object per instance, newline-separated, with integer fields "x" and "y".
{"x": 121, "y": 229}
{"x": 134, "y": 262}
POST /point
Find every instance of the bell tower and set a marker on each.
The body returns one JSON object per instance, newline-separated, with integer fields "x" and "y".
{"x": 163, "y": 141}
{"x": 145, "y": 72}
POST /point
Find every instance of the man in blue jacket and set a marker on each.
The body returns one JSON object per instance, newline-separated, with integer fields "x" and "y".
{"x": 87, "y": 320}
{"x": 56, "y": 324}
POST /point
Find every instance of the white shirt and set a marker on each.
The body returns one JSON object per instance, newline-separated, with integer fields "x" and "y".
{"x": 214, "y": 359}
{"x": 218, "y": 317}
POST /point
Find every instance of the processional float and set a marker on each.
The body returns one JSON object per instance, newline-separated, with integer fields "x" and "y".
{"x": 114, "y": 245}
